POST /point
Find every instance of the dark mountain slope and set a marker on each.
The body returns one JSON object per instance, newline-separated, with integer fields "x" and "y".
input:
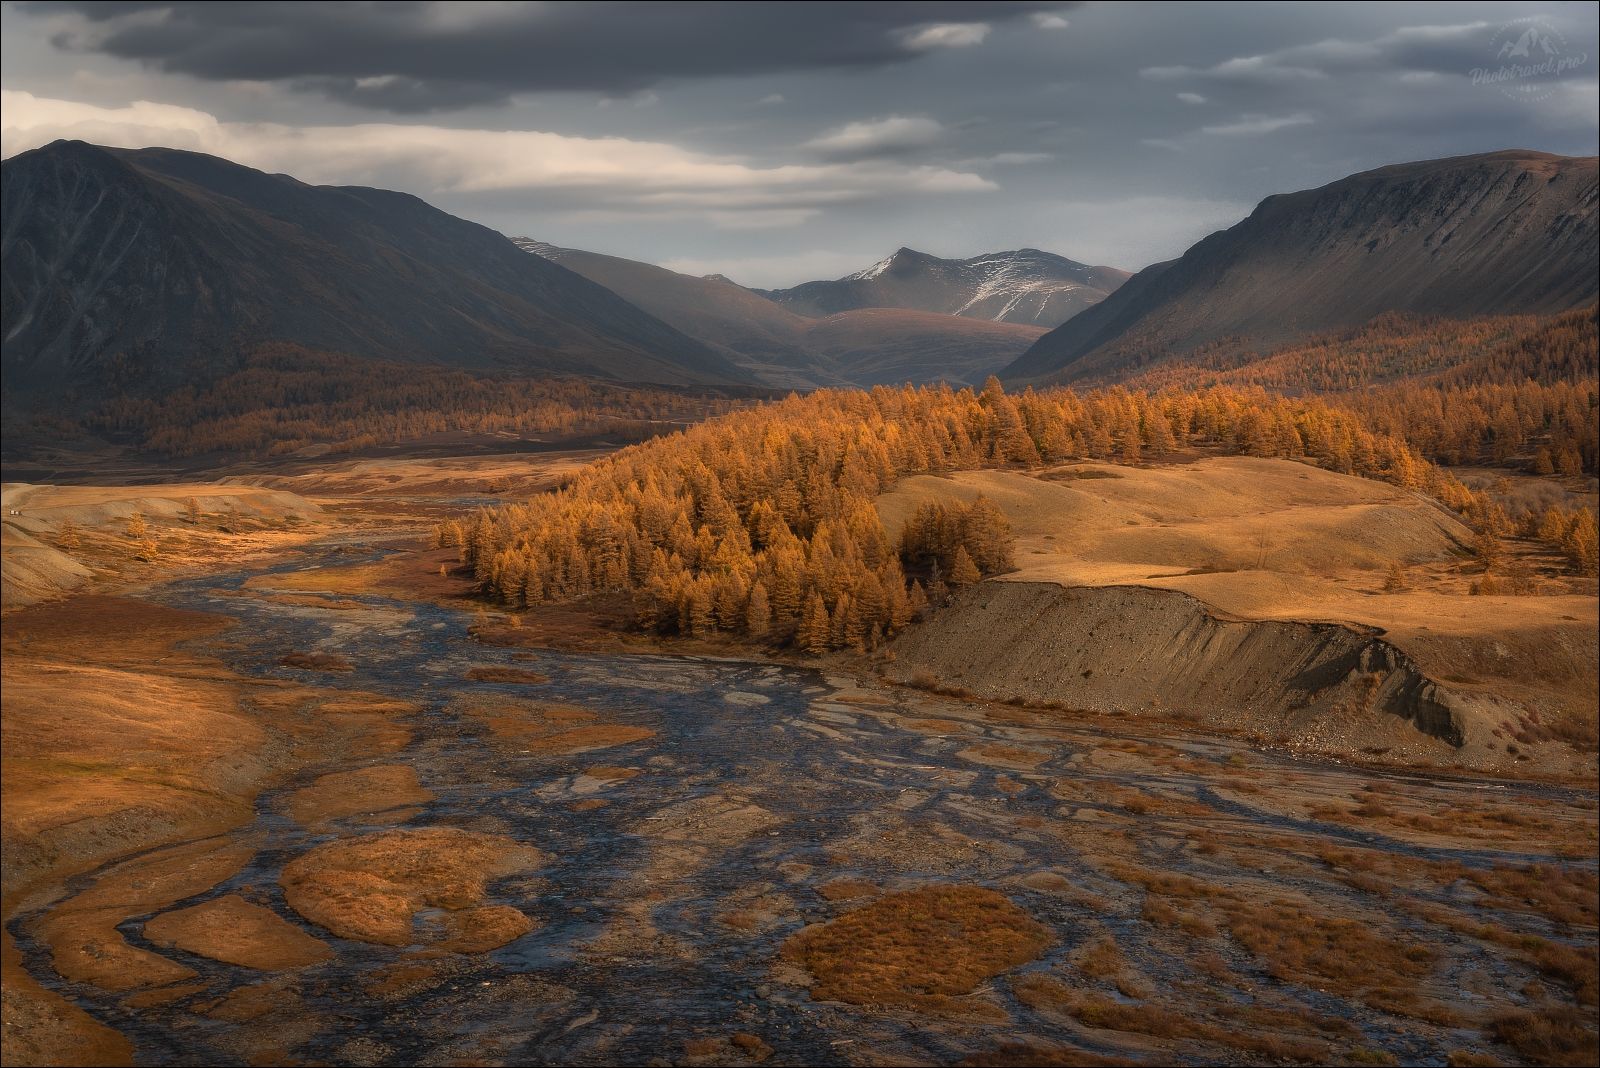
{"x": 147, "y": 270}
{"x": 1502, "y": 233}
{"x": 747, "y": 327}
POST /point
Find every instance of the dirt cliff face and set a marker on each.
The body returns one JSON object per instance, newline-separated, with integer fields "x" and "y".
{"x": 1128, "y": 649}
{"x": 1501, "y": 233}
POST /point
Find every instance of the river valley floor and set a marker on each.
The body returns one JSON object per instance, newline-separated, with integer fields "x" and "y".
{"x": 323, "y": 822}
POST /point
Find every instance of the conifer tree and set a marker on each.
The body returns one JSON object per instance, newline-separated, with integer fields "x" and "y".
{"x": 816, "y": 628}
{"x": 757, "y": 612}
{"x": 963, "y": 572}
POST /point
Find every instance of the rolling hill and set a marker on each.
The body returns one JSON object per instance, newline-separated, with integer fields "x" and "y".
{"x": 143, "y": 271}
{"x": 1501, "y": 233}
{"x": 1022, "y": 286}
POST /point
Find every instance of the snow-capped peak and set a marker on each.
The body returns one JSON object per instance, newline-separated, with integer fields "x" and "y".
{"x": 875, "y": 270}
{"x": 538, "y": 248}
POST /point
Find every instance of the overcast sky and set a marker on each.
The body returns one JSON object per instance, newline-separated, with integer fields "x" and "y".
{"x": 776, "y": 143}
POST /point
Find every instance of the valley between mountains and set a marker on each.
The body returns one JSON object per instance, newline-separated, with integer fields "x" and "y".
{"x": 423, "y": 646}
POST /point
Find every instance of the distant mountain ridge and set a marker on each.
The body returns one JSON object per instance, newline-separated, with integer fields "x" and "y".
{"x": 745, "y": 326}
{"x": 859, "y": 346}
{"x": 1020, "y": 286}
{"x": 1494, "y": 234}
{"x": 153, "y": 269}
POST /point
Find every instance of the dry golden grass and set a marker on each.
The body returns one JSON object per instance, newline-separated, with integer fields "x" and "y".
{"x": 551, "y": 729}
{"x": 1100, "y": 958}
{"x": 82, "y": 933}
{"x": 1161, "y": 914}
{"x": 1276, "y": 1035}
{"x": 478, "y": 930}
{"x": 507, "y": 674}
{"x": 355, "y": 579}
{"x": 1566, "y": 895}
{"x": 583, "y": 739}
{"x": 235, "y": 931}
{"x": 1020, "y": 1055}
{"x": 349, "y": 793}
{"x": 1006, "y": 755}
{"x": 846, "y": 889}
{"x": 1378, "y": 805}
{"x": 1298, "y": 945}
{"x": 1465, "y": 1058}
{"x": 1168, "y": 884}
{"x": 1553, "y": 1034}
{"x": 1576, "y": 966}
{"x": 918, "y": 948}
{"x": 935, "y": 726}
{"x": 610, "y": 772}
{"x": 369, "y": 887}
{"x": 1092, "y": 1009}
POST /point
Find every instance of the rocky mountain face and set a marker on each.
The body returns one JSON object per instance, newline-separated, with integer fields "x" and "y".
{"x": 1023, "y": 286}
{"x": 153, "y": 269}
{"x": 1499, "y": 233}
{"x": 859, "y": 346}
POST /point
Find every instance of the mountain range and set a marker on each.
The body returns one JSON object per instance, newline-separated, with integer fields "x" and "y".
{"x": 156, "y": 268}
{"x": 1022, "y": 286}
{"x": 138, "y": 272}
{"x": 1498, "y": 233}
{"x": 864, "y": 346}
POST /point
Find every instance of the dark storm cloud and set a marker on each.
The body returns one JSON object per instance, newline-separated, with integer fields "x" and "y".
{"x": 413, "y": 57}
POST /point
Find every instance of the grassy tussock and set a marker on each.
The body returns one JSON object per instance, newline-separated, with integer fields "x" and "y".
{"x": 918, "y": 949}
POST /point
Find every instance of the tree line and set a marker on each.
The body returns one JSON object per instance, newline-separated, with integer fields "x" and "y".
{"x": 286, "y": 397}
{"x": 1522, "y": 390}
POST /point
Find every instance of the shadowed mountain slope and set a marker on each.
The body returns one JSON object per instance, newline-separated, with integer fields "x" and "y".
{"x": 1502, "y": 233}
{"x": 143, "y": 271}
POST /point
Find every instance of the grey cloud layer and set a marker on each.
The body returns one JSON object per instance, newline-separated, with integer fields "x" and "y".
{"x": 410, "y": 57}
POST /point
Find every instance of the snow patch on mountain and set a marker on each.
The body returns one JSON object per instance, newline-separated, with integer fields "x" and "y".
{"x": 538, "y": 248}
{"x": 875, "y": 270}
